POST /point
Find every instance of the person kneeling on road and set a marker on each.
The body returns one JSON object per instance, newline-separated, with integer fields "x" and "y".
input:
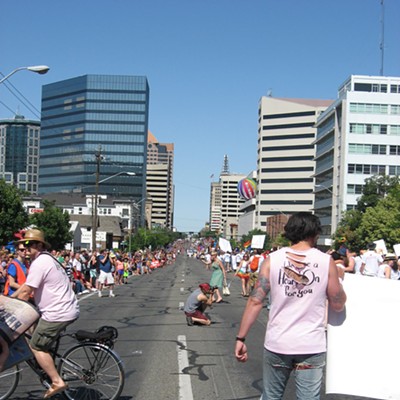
{"x": 197, "y": 303}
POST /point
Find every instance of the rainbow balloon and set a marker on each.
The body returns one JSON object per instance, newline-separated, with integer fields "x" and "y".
{"x": 247, "y": 188}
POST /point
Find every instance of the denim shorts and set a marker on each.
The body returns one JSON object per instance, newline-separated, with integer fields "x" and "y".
{"x": 308, "y": 372}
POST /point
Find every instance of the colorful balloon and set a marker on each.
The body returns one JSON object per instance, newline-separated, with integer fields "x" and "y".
{"x": 247, "y": 188}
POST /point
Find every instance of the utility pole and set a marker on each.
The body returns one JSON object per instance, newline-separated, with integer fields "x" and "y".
{"x": 96, "y": 198}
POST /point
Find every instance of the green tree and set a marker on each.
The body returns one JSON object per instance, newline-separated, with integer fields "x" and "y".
{"x": 376, "y": 188}
{"x": 382, "y": 221}
{"x": 375, "y": 216}
{"x": 13, "y": 217}
{"x": 280, "y": 241}
{"x": 54, "y": 223}
{"x": 347, "y": 231}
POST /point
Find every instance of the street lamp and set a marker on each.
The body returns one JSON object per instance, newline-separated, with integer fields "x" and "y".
{"x": 39, "y": 69}
{"x": 96, "y": 196}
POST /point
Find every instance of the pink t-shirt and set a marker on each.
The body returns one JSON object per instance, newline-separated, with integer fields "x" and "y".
{"x": 297, "y": 315}
{"x": 53, "y": 294}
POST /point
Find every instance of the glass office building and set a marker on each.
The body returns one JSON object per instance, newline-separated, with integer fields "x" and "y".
{"x": 19, "y": 153}
{"x": 91, "y": 121}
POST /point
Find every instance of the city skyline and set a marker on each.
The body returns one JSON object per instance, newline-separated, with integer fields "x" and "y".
{"x": 207, "y": 64}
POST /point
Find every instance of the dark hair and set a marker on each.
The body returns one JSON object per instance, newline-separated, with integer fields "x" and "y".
{"x": 302, "y": 226}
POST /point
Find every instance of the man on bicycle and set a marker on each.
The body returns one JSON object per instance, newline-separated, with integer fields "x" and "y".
{"x": 54, "y": 298}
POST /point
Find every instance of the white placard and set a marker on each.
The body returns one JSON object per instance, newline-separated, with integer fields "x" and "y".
{"x": 363, "y": 338}
{"x": 257, "y": 241}
{"x": 224, "y": 245}
{"x": 396, "y": 249}
{"x": 380, "y": 246}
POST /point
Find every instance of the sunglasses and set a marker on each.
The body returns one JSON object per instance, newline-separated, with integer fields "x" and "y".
{"x": 22, "y": 249}
{"x": 29, "y": 244}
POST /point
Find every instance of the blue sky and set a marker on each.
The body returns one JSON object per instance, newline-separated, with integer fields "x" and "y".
{"x": 208, "y": 63}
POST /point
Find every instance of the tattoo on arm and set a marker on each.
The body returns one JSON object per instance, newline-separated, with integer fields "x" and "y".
{"x": 261, "y": 288}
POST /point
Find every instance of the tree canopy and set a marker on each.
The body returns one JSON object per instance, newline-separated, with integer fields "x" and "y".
{"x": 54, "y": 223}
{"x": 13, "y": 216}
{"x": 376, "y": 216}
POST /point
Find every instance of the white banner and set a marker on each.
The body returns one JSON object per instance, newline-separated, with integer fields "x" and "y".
{"x": 362, "y": 340}
{"x": 257, "y": 241}
{"x": 224, "y": 245}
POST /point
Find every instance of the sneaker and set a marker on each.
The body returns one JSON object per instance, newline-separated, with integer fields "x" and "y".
{"x": 85, "y": 291}
{"x": 112, "y": 295}
{"x": 99, "y": 293}
{"x": 189, "y": 321}
{"x": 93, "y": 289}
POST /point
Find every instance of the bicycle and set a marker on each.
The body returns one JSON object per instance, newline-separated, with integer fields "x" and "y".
{"x": 91, "y": 368}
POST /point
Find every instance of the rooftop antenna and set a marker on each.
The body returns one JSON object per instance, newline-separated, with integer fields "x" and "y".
{"x": 382, "y": 45}
{"x": 225, "y": 167}
{"x": 269, "y": 93}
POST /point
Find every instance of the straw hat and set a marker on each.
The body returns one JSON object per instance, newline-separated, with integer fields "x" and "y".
{"x": 34, "y": 235}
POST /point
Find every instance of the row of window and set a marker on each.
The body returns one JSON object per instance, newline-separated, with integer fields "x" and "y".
{"x": 375, "y": 129}
{"x": 366, "y": 169}
{"x": 362, "y": 148}
{"x": 376, "y": 87}
{"x": 370, "y": 108}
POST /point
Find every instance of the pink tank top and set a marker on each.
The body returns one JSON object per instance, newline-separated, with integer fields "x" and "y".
{"x": 296, "y": 323}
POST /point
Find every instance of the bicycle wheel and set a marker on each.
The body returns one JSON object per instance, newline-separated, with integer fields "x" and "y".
{"x": 92, "y": 371}
{"x": 8, "y": 382}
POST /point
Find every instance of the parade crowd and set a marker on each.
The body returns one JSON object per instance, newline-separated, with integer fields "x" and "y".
{"x": 84, "y": 268}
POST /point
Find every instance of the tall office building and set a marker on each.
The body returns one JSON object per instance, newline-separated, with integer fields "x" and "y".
{"x": 215, "y": 206}
{"x": 90, "y": 122}
{"x": 160, "y": 184}
{"x": 286, "y": 151}
{"x": 358, "y": 136}
{"x": 19, "y": 153}
{"x": 225, "y": 203}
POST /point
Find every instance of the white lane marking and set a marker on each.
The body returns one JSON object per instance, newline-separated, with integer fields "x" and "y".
{"x": 181, "y": 305}
{"x": 185, "y": 385}
{"x": 182, "y": 289}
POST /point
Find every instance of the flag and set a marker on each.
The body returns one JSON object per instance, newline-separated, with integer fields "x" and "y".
{"x": 247, "y": 244}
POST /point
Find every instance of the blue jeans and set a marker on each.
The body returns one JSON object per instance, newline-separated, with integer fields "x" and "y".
{"x": 308, "y": 375}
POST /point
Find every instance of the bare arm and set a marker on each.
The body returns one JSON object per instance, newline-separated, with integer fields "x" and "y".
{"x": 13, "y": 283}
{"x": 336, "y": 294}
{"x": 362, "y": 268}
{"x": 350, "y": 266}
{"x": 387, "y": 272}
{"x": 23, "y": 293}
{"x": 253, "y": 308}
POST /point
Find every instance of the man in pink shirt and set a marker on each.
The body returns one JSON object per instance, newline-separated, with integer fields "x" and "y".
{"x": 300, "y": 279}
{"x": 49, "y": 284}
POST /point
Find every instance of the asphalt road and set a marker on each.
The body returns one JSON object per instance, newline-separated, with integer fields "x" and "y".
{"x": 163, "y": 357}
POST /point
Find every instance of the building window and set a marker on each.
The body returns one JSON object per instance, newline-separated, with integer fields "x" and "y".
{"x": 394, "y": 88}
{"x": 394, "y": 150}
{"x": 369, "y": 108}
{"x": 366, "y": 169}
{"x": 394, "y": 170}
{"x": 354, "y": 189}
{"x": 360, "y": 148}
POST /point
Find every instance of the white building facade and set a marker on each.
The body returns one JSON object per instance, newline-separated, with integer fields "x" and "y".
{"x": 358, "y": 136}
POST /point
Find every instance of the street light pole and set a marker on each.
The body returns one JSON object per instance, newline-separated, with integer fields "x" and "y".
{"x": 39, "y": 69}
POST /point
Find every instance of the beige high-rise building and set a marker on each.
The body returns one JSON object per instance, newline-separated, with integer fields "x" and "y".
{"x": 286, "y": 151}
{"x": 159, "y": 182}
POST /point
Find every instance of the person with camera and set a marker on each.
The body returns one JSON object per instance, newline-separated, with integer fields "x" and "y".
{"x": 197, "y": 303}
{"x": 106, "y": 272}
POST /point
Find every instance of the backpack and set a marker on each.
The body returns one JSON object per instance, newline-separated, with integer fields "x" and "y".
{"x": 254, "y": 263}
